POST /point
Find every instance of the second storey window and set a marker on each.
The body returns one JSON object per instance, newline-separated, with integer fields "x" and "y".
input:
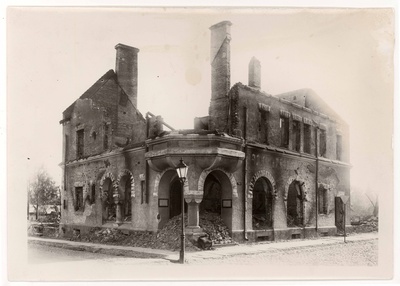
{"x": 80, "y": 136}
{"x": 296, "y": 135}
{"x": 322, "y": 143}
{"x": 339, "y": 147}
{"x": 105, "y": 142}
{"x": 284, "y": 125}
{"x": 263, "y": 127}
{"x": 66, "y": 144}
{"x": 307, "y": 139}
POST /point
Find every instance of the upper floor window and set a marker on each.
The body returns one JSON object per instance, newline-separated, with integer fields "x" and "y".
{"x": 322, "y": 142}
{"x": 296, "y": 135}
{"x": 284, "y": 125}
{"x": 263, "y": 127}
{"x": 80, "y": 143}
{"x": 307, "y": 138}
{"x": 339, "y": 147}
{"x": 105, "y": 142}
{"x": 66, "y": 144}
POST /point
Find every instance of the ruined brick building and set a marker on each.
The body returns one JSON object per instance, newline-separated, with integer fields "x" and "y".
{"x": 272, "y": 166}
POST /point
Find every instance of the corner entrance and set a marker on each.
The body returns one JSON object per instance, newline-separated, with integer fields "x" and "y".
{"x": 217, "y": 197}
{"x": 175, "y": 199}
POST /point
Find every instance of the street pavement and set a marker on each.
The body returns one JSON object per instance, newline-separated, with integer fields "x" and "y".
{"x": 216, "y": 253}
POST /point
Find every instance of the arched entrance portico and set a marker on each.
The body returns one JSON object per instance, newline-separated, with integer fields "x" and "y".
{"x": 169, "y": 197}
{"x": 217, "y": 196}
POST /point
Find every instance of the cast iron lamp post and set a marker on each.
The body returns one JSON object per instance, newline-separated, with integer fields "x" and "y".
{"x": 181, "y": 169}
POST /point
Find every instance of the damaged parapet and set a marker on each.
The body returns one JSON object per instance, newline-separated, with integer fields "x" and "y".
{"x": 255, "y": 73}
{"x": 201, "y": 123}
{"x": 155, "y": 125}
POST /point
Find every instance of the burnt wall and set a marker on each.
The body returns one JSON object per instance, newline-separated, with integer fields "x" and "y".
{"x": 282, "y": 169}
{"x": 263, "y": 122}
{"x": 131, "y": 127}
{"x": 89, "y": 172}
{"x": 91, "y": 120}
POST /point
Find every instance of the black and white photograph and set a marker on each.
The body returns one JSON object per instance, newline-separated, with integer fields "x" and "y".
{"x": 200, "y": 143}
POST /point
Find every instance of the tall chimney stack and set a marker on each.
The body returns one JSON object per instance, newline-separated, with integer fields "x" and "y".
{"x": 255, "y": 73}
{"x": 127, "y": 70}
{"x": 220, "y": 74}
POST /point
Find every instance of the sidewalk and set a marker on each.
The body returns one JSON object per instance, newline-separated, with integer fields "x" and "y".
{"x": 218, "y": 252}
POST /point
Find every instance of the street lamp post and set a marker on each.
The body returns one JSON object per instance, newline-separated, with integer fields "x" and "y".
{"x": 181, "y": 169}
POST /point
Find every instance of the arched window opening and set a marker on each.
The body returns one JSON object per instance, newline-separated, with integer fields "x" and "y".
{"x": 262, "y": 204}
{"x": 295, "y": 204}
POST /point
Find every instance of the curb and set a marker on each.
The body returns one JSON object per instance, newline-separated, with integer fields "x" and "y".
{"x": 115, "y": 251}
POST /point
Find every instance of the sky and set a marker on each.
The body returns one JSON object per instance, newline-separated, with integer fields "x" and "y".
{"x": 55, "y": 54}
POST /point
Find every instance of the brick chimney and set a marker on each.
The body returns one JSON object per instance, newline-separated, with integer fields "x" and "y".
{"x": 127, "y": 70}
{"x": 220, "y": 75}
{"x": 255, "y": 73}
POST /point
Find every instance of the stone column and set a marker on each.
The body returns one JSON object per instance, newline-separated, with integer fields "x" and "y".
{"x": 193, "y": 215}
{"x": 118, "y": 214}
{"x": 104, "y": 207}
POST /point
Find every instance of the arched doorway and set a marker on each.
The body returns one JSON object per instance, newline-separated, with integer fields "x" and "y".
{"x": 211, "y": 202}
{"x": 125, "y": 192}
{"x": 217, "y": 197}
{"x": 175, "y": 198}
{"x": 262, "y": 204}
{"x": 169, "y": 197}
{"x": 295, "y": 202}
{"x": 109, "y": 209}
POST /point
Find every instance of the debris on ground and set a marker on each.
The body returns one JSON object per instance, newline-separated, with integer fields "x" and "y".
{"x": 213, "y": 225}
{"x": 169, "y": 237}
{"x": 365, "y": 224}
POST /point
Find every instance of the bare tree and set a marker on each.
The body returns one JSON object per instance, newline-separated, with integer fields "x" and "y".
{"x": 374, "y": 202}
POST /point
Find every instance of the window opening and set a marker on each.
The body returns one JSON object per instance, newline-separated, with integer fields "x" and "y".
{"x": 284, "y": 125}
{"x": 79, "y": 199}
{"x": 307, "y": 139}
{"x": 106, "y": 130}
{"x": 338, "y": 147}
{"x": 322, "y": 143}
{"x": 323, "y": 201}
{"x": 296, "y": 135}
{"x": 80, "y": 143}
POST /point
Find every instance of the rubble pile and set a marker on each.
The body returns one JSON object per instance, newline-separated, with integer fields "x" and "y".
{"x": 169, "y": 237}
{"x": 368, "y": 224}
{"x": 215, "y": 228}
